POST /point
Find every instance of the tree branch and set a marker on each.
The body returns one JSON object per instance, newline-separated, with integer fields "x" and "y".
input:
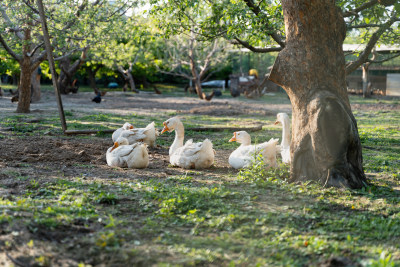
{"x": 360, "y": 8}
{"x": 257, "y": 11}
{"x": 31, "y": 7}
{"x": 255, "y": 49}
{"x": 362, "y": 26}
{"x": 39, "y": 59}
{"x": 34, "y": 50}
{"x": 17, "y": 30}
{"x": 9, "y": 50}
{"x": 353, "y": 65}
{"x": 69, "y": 53}
{"x": 383, "y": 60}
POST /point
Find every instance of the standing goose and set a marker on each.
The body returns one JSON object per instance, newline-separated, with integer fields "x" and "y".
{"x": 283, "y": 118}
{"x": 191, "y": 155}
{"x": 245, "y": 154}
{"x": 124, "y": 155}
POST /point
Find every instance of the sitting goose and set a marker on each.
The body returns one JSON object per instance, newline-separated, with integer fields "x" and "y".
{"x": 245, "y": 154}
{"x": 124, "y": 155}
{"x": 117, "y": 133}
{"x": 191, "y": 155}
{"x": 146, "y": 135}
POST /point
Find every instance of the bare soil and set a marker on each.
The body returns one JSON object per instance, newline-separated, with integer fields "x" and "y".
{"x": 46, "y": 157}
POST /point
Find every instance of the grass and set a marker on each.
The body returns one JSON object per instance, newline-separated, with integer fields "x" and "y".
{"x": 220, "y": 218}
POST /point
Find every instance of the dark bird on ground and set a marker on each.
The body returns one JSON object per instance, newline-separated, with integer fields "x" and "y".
{"x": 235, "y": 93}
{"x": 97, "y": 98}
{"x": 217, "y": 93}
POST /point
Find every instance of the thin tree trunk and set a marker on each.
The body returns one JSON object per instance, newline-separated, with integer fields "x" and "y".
{"x": 325, "y": 143}
{"x": 197, "y": 86}
{"x": 35, "y": 81}
{"x": 24, "y": 99}
{"x": 365, "y": 80}
{"x": 92, "y": 77}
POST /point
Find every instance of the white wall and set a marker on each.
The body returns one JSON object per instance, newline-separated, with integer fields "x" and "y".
{"x": 393, "y": 84}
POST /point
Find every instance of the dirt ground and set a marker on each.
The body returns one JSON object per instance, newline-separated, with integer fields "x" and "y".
{"x": 46, "y": 157}
{"x": 51, "y": 155}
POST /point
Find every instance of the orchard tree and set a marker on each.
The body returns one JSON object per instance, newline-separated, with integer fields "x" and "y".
{"x": 190, "y": 54}
{"x": 187, "y": 57}
{"x": 129, "y": 46}
{"x": 310, "y": 67}
{"x": 71, "y": 24}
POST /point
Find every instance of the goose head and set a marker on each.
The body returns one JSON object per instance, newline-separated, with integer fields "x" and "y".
{"x": 171, "y": 124}
{"x": 121, "y": 141}
{"x": 281, "y": 118}
{"x": 127, "y": 126}
{"x": 241, "y": 137}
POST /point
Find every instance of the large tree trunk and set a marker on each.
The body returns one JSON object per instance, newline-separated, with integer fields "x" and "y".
{"x": 311, "y": 68}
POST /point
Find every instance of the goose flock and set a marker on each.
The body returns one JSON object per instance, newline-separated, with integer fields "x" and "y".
{"x": 130, "y": 147}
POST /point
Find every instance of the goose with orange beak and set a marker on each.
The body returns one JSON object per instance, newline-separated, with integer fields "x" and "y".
{"x": 283, "y": 119}
{"x": 246, "y": 153}
{"x": 117, "y": 133}
{"x": 146, "y": 135}
{"x": 123, "y": 155}
{"x": 191, "y": 155}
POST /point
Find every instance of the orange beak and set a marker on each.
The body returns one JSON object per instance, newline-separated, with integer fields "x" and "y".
{"x": 114, "y": 146}
{"x": 233, "y": 139}
{"x": 277, "y": 122}
{"x": 165, "y": 128}
{"x": 131, "y": 127}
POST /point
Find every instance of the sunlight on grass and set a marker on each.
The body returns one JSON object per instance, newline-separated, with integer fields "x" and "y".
{"x": 216, "y": 217}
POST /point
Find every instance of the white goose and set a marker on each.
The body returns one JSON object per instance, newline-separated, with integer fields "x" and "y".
{"x": 124, "y": 155}
{"x": 191, "y": 155}
{"x": 283, "y": 118}
{"x": 146, "y": 135}
{"x": 245, "y": 154}
{"x": 117, "y": 133}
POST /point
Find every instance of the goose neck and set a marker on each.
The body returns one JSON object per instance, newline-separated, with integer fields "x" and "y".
{"x": 179, "y": 137}
{"x": 285, "y": 133}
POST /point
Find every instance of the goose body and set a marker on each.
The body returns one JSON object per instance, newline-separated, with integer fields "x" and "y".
{"x": 146, "y": 135}
{"x": 198, "y": 155}
{"x": 283, "y": 118}
{"x": 246, "y": 153}
{"x": 117, "y": 133}
{"x": 127, "y": 156}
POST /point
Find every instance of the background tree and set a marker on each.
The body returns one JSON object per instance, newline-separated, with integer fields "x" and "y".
{"x": 194, "y": 60}
{"x": 129, "y": 50}
{"x": 71, "y": 25}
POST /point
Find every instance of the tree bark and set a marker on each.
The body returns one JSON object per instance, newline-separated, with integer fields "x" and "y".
{"x": 92, "y": 77}
{"x": 65, "y": 80}
{"x": 35, "y": 82}
{"x": 325, "y": 143}
{"x": 365, "y": 80}
{"x": 127, "y": 75}
{"x": 24, "y": 98}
